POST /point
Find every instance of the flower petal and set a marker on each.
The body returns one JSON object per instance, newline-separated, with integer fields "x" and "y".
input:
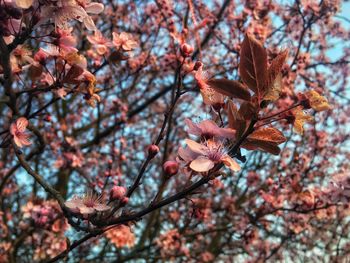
{"x": 230, "y": 163}
{"x": 22, "y": 124}
{"x": 86, "y": 210}
{"x": 94, "y": 8}
{"x": 17, "y": 141}
{"x": 101, "y": 207}
{"x": 195, "y": 146}
{"x": 193, "y": 128}
{"x": 24, "y": 139}
{"x": 89, "y": 23}
{"x": 202, "y": 164}
{"x": 13, "y": 128}
{"x": 186, "y": 154}
{"x": 24, "y": 3}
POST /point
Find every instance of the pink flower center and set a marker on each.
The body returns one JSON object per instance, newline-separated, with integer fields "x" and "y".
{"x": 215, "y": 153}
{"x": 89, "y": 203}
{"x": 207, "y": 135}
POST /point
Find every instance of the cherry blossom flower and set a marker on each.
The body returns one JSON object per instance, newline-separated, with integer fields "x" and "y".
{"x": 101, "y": 44}
{"x": 124, "y": 41}
{"x": 91, "y": 96}
{"x": 203, "y": 157}
{"x": 121, "y": 236}
{"x": 117, "y": 192}
{"x": 170, "y": 240}
{"x": 20, "y": 58}
{"x": 339, "y": 188}
{"x": 65, "y": 40}
{"x": 17, "y": 130}
{"x": 61, "y": 92}
{"x": 208, "y": 129}
{"x": 63, "y": 11}
{"x": 73, "y": 58}
{"x": 87, "y": 204}
{"x": 171, "y": 243}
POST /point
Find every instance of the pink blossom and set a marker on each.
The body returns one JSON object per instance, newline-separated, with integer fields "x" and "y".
{"x": 208, "y": 129}
{"x": 121, "y": 236}
{"x": 100, "y": 43}
{"x": 17, "y": 129}
{"x": 65, "y": 40}
{"x": 339, "y": 188}
{"x": 203, "y": 157}
{"x": 66, "y": 10}
{"x": 61, "y": 92}
{"x": 124, "y": 41}
{"x": 117, "y": 192}
{"x": 87, "y": 204}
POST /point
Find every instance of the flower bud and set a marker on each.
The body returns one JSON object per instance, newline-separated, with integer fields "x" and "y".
{"x": 153, "y": 150}
{"x": 186, "y": 49}
{"x": 118, "y": 193}
{"x": 197, "y": 65}
{"x": 48, "y": 118}
{"x": 171, "y": 167}
{"x": 125, "y": 200}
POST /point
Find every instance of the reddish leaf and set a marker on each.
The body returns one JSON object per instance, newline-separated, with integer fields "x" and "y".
{"x": 253, "y": 66}
{"x": 72, "y": 74}
{"x": 265, "y": 139}
{"x": 267, "y": 134}
{"x": 248, "y": 111}
{"x": 230, "y": 88}
{"x": 262, "y": 146}
{"x": 276, "y": 66}
{"x": 273, "y": 93}
{"x": 35, "y": 71}
{"x": 235, "y": 120}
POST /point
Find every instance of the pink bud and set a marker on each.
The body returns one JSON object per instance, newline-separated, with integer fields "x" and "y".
{"x": 153, "y": 150}
{"x": 186, "y": 49}
{"x": 48, "y": 118}
{"x": 197, "y": 65}
{"x": 40, "y": 56}
{"x": 125, "y": 200}
{"x": 269, "y": 181}
{"x": 171, "y": 167}
{"x": 117, "y": 193}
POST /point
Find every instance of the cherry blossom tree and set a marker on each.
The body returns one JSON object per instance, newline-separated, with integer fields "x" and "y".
{"x": 184, "y": 131}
